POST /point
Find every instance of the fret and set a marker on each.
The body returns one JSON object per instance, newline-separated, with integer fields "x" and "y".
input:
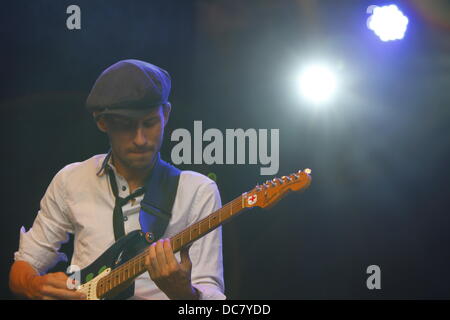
{"x": 117, "y": 283}
{"x": 223, "y": 216}
{"x": 215, "y": 222}
{"x": 113, "y": 279}
{"x": 130, "y": 268}
{"x": 99, "y": 288}
{"x": 183, "y": 237}
{"x": 126, "y": 276}
{"x": 134, "y": 271}
{"x": 178, "y": 242}
{"x": 138, "y": 265}
{"x": 142, "y": 264}
{"x": 205, "y": 228}
{"x": 195, "y": 229}
{"x": 105, "y": 284}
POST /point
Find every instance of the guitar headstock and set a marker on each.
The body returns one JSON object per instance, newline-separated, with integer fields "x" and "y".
{"x": 270, "y": 192}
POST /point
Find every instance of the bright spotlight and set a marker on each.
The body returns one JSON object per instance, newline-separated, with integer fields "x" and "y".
{"x": 317, "y": 83}
{"x": 388, "y": 22}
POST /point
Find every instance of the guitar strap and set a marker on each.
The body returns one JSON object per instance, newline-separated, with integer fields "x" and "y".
{"x": 156, "y": 206}
{"x": 160, "y": 192}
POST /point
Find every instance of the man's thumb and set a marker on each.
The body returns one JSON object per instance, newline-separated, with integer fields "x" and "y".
{"x": 184, "y": 254}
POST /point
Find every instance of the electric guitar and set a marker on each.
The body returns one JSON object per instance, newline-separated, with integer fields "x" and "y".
{"x": 117, "y": 268}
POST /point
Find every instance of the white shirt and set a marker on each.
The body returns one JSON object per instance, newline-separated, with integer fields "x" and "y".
{"x": 79, "y": 200}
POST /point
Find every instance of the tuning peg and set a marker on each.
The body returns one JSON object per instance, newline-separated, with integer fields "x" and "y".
{"x": 307, "y": 171}
{"x": 286, "y": 178}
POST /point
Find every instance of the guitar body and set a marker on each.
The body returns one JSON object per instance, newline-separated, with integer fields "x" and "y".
{"x": 120, "y": 252}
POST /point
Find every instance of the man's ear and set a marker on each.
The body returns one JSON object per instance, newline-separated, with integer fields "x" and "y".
{"x": 166, "y": 110}
{"x": 100, "y": 121}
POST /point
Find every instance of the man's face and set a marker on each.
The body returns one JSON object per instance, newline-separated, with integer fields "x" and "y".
{"x": 135, "y": 142}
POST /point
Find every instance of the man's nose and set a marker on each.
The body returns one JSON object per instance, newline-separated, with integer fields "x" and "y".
{"x": 139, "y": 138}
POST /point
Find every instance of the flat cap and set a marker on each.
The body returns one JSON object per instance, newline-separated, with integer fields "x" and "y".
{"x": 130, "y": 88}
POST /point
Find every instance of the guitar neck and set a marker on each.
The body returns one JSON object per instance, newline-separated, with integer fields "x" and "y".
{"x": 136, "y": 266}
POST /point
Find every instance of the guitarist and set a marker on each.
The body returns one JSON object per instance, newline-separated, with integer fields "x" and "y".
{"x": 129, "y": 102}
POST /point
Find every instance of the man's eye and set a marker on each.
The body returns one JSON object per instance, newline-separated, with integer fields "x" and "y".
{"x": 118, "y": 123}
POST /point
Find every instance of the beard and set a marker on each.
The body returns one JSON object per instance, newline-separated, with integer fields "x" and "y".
{"x": 137, "y": 161}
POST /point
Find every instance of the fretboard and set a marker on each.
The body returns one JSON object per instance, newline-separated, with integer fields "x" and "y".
{"x": 136, "y": 266}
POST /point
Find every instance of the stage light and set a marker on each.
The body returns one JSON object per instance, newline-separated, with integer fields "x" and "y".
{"x": 388, "y": 22}
{"x": 317, "y": 83}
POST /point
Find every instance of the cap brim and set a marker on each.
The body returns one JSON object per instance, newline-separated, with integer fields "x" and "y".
{"x": 129, "y": 113}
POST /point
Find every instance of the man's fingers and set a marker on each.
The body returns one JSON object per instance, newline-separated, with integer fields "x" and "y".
{"x": 57, "y": 280}
{"x": 56, "y": 293}
{"x": 160, "y": 254}
{"x": 170, "y": 257}
{"x": 154, "y": 265}
{"x": 148, "y": 264}
{"x": 185, "y": 259}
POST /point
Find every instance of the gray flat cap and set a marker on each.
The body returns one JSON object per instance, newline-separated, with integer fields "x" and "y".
{"x": 129, "y": 88}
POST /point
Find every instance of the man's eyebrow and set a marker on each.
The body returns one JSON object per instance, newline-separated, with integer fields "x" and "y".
{"x": 152, "y": 117}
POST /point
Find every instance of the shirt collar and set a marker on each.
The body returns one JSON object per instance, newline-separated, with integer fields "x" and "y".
{"x": 106, "y": 164}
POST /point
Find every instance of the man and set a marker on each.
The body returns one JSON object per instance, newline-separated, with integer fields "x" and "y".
{"x": 129, "y": 102}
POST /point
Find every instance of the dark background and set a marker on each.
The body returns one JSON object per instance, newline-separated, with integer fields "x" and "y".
{"x": 379, "y": 152}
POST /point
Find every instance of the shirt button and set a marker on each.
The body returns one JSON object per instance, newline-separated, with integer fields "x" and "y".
{"x": 124, "y": 188}
{"x": 125, "y": 218}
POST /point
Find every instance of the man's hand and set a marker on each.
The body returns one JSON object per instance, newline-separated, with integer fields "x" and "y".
{"x": 173, "y": 278}
{"x": 25, "y": 282}
{"x": 52, "y": 286}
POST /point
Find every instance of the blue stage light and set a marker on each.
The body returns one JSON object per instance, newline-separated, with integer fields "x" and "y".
{"x": 388, "y": 22}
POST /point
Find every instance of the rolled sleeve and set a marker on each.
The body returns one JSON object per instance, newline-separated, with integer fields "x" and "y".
{"x": 206, "y": 253}
{"x": 39, "y": 246}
